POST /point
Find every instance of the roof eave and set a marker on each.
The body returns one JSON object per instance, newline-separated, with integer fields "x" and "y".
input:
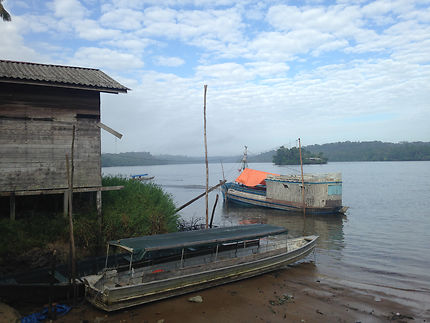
{"x": 68, "y": 86}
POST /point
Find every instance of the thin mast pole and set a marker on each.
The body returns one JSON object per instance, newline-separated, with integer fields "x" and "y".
{"x": 206, "y": 160}
{"x": 303, "y": 182}
{"x": 245, "y": 158}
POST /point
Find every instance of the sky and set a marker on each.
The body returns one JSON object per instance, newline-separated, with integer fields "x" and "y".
{"x": 324, "y": 71}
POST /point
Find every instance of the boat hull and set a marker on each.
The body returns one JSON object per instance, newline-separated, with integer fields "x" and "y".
{"x": 247, "y": 197}
{"x": 214, "y": 274}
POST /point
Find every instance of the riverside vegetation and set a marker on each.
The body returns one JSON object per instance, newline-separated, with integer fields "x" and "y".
{"x": 138, "y": 209}
{"x": 285, "y": 156}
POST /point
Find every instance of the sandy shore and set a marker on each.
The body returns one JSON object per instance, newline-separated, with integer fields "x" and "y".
{"x": 297, "y": 294}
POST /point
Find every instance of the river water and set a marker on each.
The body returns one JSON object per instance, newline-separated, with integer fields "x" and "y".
{"x": 382, "y": 244}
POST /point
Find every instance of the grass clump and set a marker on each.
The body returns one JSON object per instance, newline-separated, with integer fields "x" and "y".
{"x": 138, "y": 209}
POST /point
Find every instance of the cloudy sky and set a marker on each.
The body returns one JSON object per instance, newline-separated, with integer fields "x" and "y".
{"x": 324, "y": 71}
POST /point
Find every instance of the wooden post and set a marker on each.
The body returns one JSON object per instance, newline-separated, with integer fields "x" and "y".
{"x": 303, "y": 182}
{"x": 182, "y": 259}
{"x": 213, "y": 211}
{"x": 66, "y": 203}
{"x": 12, "y": 206}
{"x": 201, "y": 195}
{"x": 99, "y": 218}
{"x": 206, "y": 159}
{"x": 52, "y": 313}
{"x": 71, "y": 235}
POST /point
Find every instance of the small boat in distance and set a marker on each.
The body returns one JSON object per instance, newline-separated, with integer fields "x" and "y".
{"x": 171, "y": 264}
{"x": 142, "y": 177}
{"x": 322, "y": 193}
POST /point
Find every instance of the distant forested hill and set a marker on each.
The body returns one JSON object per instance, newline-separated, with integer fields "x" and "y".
{"x": 373, "y": 151}
{"x": 130, "y": 159}
{"x": 266, "y": 157}
{"x": 363, "y": 151}
{"x": 285, "y": 156}
{"x": 339, "y": 151}
{"x": 145, "y": 158}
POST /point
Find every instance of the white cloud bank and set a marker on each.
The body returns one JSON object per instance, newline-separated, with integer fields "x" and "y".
{"x": 320, "y": 71}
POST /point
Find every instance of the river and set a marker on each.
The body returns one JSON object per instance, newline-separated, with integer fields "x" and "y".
{"x": 382, "y": 243}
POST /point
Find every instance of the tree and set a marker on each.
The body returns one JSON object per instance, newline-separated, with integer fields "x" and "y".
{"x": 285, "y": 156}
{"x": 3, "y": 13}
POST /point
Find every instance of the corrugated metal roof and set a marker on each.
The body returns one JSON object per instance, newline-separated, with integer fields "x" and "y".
{"x": 57, "y": 75}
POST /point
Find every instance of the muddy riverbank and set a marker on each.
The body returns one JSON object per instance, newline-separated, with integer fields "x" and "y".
{"x": 297, "y": 294}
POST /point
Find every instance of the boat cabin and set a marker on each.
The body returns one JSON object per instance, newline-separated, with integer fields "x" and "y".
{"x": 184, "y": 245}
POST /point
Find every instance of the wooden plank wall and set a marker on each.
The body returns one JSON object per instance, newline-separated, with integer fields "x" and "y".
{"x": 36, "y": 132}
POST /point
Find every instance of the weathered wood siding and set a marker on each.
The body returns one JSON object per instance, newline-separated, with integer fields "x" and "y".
{"x": 36, "y": 133}
{"x": 319, "y": 190}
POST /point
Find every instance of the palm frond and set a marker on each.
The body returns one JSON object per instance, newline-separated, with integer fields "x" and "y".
{"x": 4, "y": 14}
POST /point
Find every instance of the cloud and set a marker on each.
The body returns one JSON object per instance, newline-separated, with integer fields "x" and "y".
{"x": 224, "y": 74}
{"x": 268, "y": 69}
{"x": 69, "y": 9}
{"x": 332, "y": 19}
{"x": 90, "y": 30}
{"x": 168, "y": 61}
{"x": 277, "y": 46}
{"x": 129, "y": 43}
{"x": 13, "y": 45}
{"x": 313, "y": 68}
{"x": 124, "y": 19}
{"x": 106, "y": 59}
{"x": 209, "y": 29}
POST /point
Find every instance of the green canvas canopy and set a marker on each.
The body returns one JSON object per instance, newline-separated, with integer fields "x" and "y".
{"x": 139, "y": 245}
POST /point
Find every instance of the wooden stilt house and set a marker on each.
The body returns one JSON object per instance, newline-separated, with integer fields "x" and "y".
{"x": 39, "y": 105}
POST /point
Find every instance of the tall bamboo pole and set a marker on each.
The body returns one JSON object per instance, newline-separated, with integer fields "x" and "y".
{"x": 206, "y": 160}
{"x": 303, "y": 182}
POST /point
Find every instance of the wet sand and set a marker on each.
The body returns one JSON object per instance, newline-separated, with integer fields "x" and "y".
{"x": 298, "y": 293}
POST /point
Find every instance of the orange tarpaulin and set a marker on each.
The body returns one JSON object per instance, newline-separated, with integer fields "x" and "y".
{"x": 252, "y": 177}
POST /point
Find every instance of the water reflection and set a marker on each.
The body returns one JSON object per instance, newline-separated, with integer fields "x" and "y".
{"x": 328, "y": 227}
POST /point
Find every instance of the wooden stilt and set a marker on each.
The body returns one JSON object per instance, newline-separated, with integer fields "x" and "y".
{"x": 303, "y": 182}
{"x": 71, "y": 235}
{"x": 66, "y": 204}
{"x": 99, "y": 206}
{"x": 12, "y": 206}
{"x": 213, "y": 211}
{"x": 99, "y": 218}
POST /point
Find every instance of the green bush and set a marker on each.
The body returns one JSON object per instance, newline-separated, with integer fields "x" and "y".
{"x": 138, "y": 209}
{"x": 27, "y": 233}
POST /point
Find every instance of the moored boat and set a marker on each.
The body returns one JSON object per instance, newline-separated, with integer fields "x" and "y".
{"x": 322, "y": 194}
{"x": 177, "y": 263}
{"x": 142, "y": 177}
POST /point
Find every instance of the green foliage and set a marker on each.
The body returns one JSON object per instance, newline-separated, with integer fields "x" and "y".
{"x": 23, "y": 234}
{"x": 285, "y": 156}
{"x": 138, "y": 209}
{"x": 3, "y": 13}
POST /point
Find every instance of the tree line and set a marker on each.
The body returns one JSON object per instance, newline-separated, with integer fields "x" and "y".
{"x": 373, "y": 151}
{"x": 339, "y": 151}
{"x": 285, "y": 156}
